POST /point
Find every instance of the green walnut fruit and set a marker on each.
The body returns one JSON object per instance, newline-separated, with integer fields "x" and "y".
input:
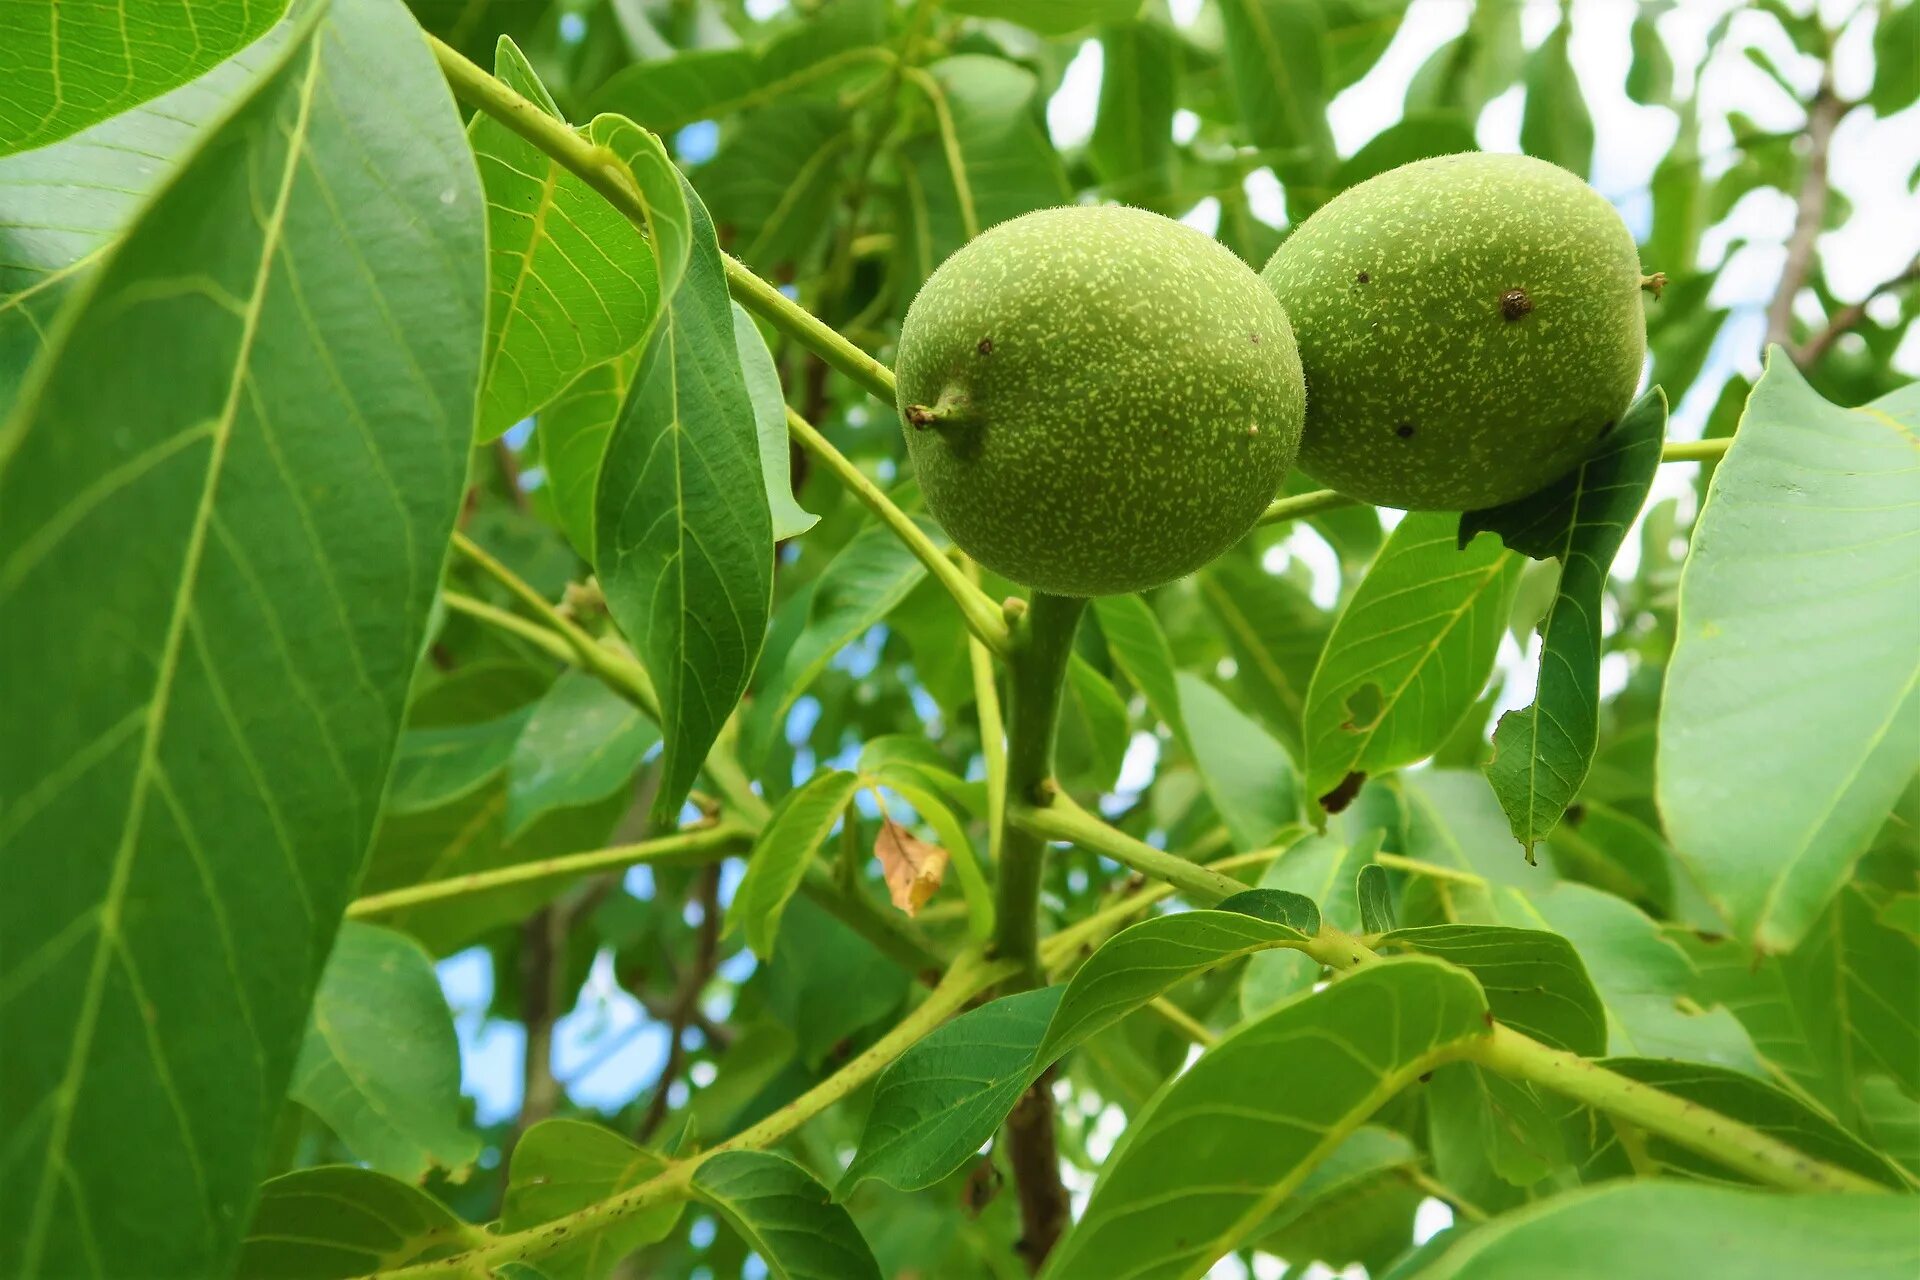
{"x": 1471, "y": 327}
{"x": 1097, "y": 400}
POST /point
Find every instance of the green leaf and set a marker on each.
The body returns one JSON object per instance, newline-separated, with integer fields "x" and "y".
{"x": 1534, "y": 980}
{"x": 1609, "y": 849}
{"x": 1275, "y": 634}
{"x": 1773, "y": 1111}
{"x": 560, "y": 1167}
{"x": 828, "y": 982}
{"x": 581, "y": 744}
{"x": 1556, "y": 124}
{"x": 1650, "y": 74}
{"x": 1048, "y": 17}
{"x": 1375, "y": 896}
{"x": 1247, "y": 774}
{"x": 1139, "y": 648}
{"x": 683, "y": 539}
{"x": 63, "y": 206}
{"x": 1834, "y": 1014}
{"x": 1896, "y": 59}
{"x": 1277, "y": 58}
{"x": 1656, "y": 1230}
{"x": 64, "y": 67}
{"x": 1225, "y": 1143}
{"x": 774, "y": 186}
{"x": 1132, "y": 143}
{"x": 1541, "y": 753}
{"x": 339, "y": 1221}
{"x": 940, "y": 1101}
{"x": 439, "y": 764}
{"x": 871, "y": 574}
{"x": 380, "y": 1063}
{"x": 1093, "y": 729}
{"x": 1007, "y": 164}
{"x": 572, "y": 438}
{"x": 1146, "y": 959}
{"x": 1796, "y": 609}
{"x": 1323, "y": 869}
{"x": 1358, "y": 33}
{"x": 573, "y": 282}
{"x": 1408, "y": 655}
{"x": 781, "y": 853}
{"x": 216, "y": 568}
{"x": 826, "y": 47}
{"x": 1467, "y": 73}
{"x": 1646, "y": 983}
{"x": 770, "y": 425}
{"x": 784, "y": 1216}
{"x": 1417, "y": 136}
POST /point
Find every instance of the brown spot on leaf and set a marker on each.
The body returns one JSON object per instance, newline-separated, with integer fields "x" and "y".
{"x": 1515, "y": 303}
{"x": 1576, "y": 814}
{"x": 1343, "y": 793}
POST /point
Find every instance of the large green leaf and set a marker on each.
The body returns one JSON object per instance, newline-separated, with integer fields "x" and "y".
{"x": 827, "y": 45}
{"x": 861, "y": 585}
{"x": 1541, "y": 753}
{"x": 770, "y": 424}
{"x": 215, "y": 572}
{"x": 683, "y": 539}
{"x": 64, "y": 205}
{"x": 340, "y": 1221}
{"x": 1786, "y": 729}
{"x": 438, "y": 764}
{"x": 1246, "y": 773}
{"x": 782, "y": 854}
{"x": 1323, "y": 869}
{"x": 560, "y": 1167}
{"x": 1006, "y": 165}
{"x": 1408, "y": 655}
{"x": 66, "y": 66}
{"x": 1277, "y": 56}
{"x": 784, "y": 1216}
{"x": 380, "y": 1063}
{"x": 1656, "y": 1230}
{"x": 1132, "y": 143}
{"x": 1049, "y": 17}
{"x": 582, "y": 742}
{"x": 1534, "y": 980}
{"x": 573, "y": 282}
{"x": 1834, "y": 1016}
{"x": 572, "y": 439}
{"x": 1556, "y": 124}
{"x": 942, "y": 1099}
{"x": 1139, "y": 648}
{"x": 1223, "y": 1145}
{"x": 773, "y": 187}
{"x": 1275, "y": 634}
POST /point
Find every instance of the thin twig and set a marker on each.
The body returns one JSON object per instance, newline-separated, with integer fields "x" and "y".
{"x": 1823, "y": 114}
{"x": 1848, "y": 318}
{"x": 686, "y": 998}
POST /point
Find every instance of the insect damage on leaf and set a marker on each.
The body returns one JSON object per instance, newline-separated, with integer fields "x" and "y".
{"x": 913, "y": 868}
{"x": 1343, "y": 793}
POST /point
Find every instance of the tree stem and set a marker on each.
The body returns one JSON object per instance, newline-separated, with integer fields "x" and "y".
{"x": 1823, "y": 116}
{"x": 1037, "y": 670}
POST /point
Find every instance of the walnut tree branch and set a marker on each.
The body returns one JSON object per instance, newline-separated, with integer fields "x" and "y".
{"x": 1823, "y": 115}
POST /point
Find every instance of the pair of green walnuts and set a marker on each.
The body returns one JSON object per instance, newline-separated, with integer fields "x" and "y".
{"x": 1100, "y": 400}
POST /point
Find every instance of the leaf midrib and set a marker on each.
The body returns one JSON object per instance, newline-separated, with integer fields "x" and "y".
{"x": 124, "y": 856}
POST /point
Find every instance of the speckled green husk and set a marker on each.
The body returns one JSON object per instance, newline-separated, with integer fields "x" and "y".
{"x": 1116, "y": 399}
{"x": 1470, "y": 326}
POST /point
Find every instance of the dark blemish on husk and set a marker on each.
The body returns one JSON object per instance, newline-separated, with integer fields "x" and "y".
{"x": 1363, "y": 278}
{"x": 1254, "y": 338}
{"x": 1515, "y": 303}
{"x": 985, "y": 347}
{"x": 1404, "y": 431}
{"x": 1606, "y": 428}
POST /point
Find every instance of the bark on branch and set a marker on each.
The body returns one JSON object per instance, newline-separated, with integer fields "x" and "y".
{"x": 1823, "y": 116}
